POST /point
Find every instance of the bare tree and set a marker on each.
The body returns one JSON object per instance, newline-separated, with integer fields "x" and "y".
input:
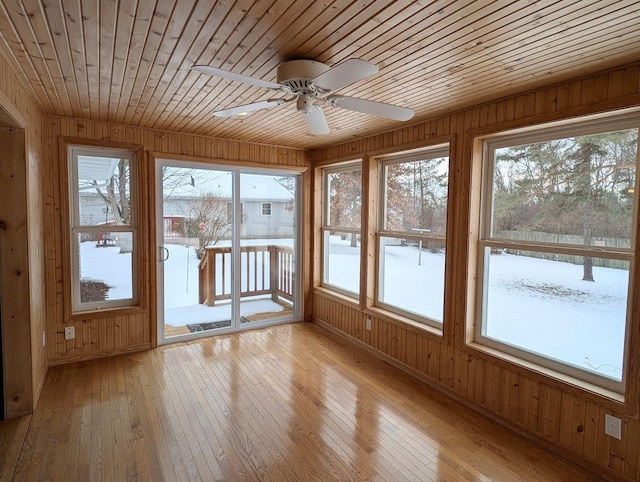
{"x": 116, "y": 193}
{"x": 175, "y": 178}
{"x": 574, "y": 186}
{"x": 346, "y": 200}
{"x": 416, "y": 196}
{"x": 209, "y": 218}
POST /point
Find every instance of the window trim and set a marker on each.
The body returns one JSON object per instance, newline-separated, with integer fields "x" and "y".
{"x": 265, "y": 204}
{"x": 74, "y": 228}
{"x": 485, "y": 241}
{"x": 431, "y": 152}
{"x": 326, "y": 227}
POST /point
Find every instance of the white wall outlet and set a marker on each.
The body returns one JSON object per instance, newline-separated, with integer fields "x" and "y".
{"x": 69, "y": 332}
{"x": 368, "y": 324}
{"x": 612, "y": 426}
{"x": 44, "y": 338}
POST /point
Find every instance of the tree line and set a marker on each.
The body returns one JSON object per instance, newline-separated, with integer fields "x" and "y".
{"x": 582, "y": 185}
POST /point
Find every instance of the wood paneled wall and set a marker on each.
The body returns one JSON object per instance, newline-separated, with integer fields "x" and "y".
{"x": 23, "y": 284}
{"x": 564, "y": 416}
{"x": 99, "y": 334}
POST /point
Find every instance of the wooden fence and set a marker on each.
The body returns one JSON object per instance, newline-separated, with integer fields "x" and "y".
{"x": 265, "y": 270}
{"x": 571, "y": 239}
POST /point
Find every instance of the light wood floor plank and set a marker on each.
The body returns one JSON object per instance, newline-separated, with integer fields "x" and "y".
{"x": 290, "y": 402}
{"x": 12, "y": 439}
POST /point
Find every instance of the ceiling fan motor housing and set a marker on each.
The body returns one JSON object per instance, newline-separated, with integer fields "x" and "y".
{"x": 297, "y": 75}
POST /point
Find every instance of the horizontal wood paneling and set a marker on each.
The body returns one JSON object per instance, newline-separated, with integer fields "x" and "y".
{"x": 99, "y": 334}
{"x": 565, "y": 416}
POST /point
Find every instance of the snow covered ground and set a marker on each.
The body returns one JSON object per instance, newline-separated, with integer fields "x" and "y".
{"x": 108, "y": 265}
{"x": 540, "y": 305}
{"x": 181, "y": 291}
{"x": 545, "y": 307}
{"x": 181, "y": 283}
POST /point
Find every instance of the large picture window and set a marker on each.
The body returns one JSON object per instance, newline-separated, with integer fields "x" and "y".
{"x": 556, "y": 246}
{"x": 103, "y": 227}
{"x": 411, "y": 241}
{"x": 341, "y": 227}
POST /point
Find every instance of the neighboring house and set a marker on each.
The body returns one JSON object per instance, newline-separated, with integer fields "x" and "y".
{"x": 267, "y": 206}
{"x": 93, "y": 210}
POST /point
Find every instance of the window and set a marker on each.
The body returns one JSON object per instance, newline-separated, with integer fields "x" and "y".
{"x": 230, "y": 212}
{"x": 103, "y": 234}
{"x": 342, "y": 188}
{"x": 556, "y": 245}
{"x": 266, "y": 209}
{"x": 411, "y": 241}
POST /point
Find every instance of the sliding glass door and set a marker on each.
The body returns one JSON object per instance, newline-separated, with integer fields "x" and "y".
{"x": 227, "y": 249}
{"x": 267, "y": 246}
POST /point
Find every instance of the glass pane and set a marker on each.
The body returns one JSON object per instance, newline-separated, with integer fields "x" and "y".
{"x": 106, "y": 267}
{"x": 267, "y": 247}
{"x": 543, "y": 303}
{"x": 104, "y": 191}
{"x": 344, "y": 190}
{"x": 342, "y": 260}
{"x": 416, "y": 196}
{"x": 197, "y": 234}
{"x": 412, "y": 276}
{"x": 576, "y": 190}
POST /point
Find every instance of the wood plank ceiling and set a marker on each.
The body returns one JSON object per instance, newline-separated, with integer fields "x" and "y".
{"x": 127, "y": 61}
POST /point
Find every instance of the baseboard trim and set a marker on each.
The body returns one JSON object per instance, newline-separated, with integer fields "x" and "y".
{"x": 38, "y": 389}
{"x": 99, "y": 354}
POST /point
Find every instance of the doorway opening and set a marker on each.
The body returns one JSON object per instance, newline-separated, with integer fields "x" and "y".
{"x": 228, "y": 248}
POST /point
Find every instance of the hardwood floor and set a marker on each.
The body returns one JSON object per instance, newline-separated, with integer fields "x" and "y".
{"x": 290, "y": 402}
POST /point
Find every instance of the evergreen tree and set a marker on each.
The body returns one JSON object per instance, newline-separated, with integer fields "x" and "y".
{"x": 575, "y": 186}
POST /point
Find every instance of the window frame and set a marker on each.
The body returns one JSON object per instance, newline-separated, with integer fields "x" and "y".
{"x": 486, "y": 241}
{"x": 432, "y": 152}
{"x": 327, "y": 227}
{"x": 75, "y": 228}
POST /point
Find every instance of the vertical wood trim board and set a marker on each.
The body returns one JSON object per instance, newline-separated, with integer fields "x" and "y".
{"x": 15, "y": 274}
{"x": 570, "y": 418}
{"x": 18, "y": 109}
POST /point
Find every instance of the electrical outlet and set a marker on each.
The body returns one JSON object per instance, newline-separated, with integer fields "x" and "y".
{"x": 368, "y": 324}
{"x": 612, "y": 426}
{"x": 69, "y": 332}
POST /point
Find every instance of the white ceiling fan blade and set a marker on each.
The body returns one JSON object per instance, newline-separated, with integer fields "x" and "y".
{"x": 371, "y": 107}
{"x": 345, "y": 74}
{"x": 225, "y": 74}
{"x": 245, "y": 109}
{"x": 316, "y": 121}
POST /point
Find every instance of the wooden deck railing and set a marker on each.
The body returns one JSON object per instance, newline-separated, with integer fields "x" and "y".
{"x": 264, "y": 270}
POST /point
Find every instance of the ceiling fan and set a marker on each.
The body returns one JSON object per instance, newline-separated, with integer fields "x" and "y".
{"x": 310, "y": 83}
